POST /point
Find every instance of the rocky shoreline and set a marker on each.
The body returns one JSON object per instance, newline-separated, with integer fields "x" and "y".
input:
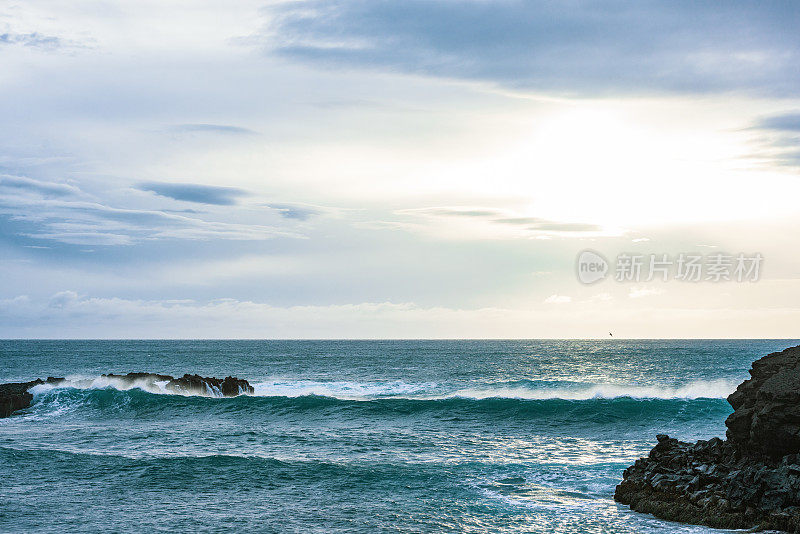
{"x": 16, "y": 396}
{"x": 751, "y": 480}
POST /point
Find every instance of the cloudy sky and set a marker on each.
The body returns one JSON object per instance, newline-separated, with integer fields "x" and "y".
{"x": 366, "y": 168}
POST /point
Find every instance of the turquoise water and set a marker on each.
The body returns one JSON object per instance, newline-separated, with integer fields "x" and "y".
{"x": 355, "y": 436}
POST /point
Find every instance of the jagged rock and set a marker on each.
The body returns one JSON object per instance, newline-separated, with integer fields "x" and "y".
{"x": 750, "y": 480}
{"x": 193, "y": 384}
{"x": 766, "y": 417}
{"x": 15, "y": 396}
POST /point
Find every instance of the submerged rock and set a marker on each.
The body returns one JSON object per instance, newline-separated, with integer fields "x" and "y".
{"x": 16, "y": 396}
{"x": 750, "y": 480}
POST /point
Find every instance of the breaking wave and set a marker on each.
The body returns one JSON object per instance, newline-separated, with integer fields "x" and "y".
{"x": 365, "y": 391}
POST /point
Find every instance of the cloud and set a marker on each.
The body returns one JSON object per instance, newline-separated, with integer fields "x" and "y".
{"x": 558, "y": 299}
{"x": 83, "y": 223}
{"x": 68, "y": 315}
{"x": 24, "y": 184}
{"x": 38, "y": 210}
{"x": 579, "y": 47}
{"x": 212, "y": 128}
{"x": 32, "y": 40}
{"x": 640, "y": 292}
{"x": 62, "y": 299}
{"x": 294, "y": 211}
{"x": 456, "y": 212}
{"x": 201, "y": 194}
{"x": 565, "y": 227}
{"x": 516, "y": 223}
{"x": 780, "y": 142}
{"x": 787, "y": 122}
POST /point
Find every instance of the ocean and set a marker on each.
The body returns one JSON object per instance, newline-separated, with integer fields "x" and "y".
{"x": 355, "y": 436}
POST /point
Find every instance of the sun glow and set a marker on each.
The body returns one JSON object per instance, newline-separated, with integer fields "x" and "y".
{"x": 601, "y": 166}
{"x": 612, "y": 164}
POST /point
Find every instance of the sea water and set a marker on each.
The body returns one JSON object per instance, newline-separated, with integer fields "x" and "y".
{"x": 355, "y": 436}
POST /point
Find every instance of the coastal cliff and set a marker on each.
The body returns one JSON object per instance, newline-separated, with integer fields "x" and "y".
{"x": 16, "y": 396}
{"x": 750, "y": 480}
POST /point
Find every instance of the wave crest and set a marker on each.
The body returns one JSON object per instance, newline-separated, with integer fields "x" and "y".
{"x": 353, "y": 390}
{"x": 701, "y": 389}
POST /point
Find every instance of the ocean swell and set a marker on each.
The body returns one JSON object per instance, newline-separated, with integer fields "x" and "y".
{"x": 582, "y": 407}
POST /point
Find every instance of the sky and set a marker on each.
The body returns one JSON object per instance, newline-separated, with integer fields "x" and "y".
{"x": 376, "y": 169}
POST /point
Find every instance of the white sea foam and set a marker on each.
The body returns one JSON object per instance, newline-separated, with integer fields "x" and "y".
{"x": 343, "y": 389}
{"x": 713, "y": 389}
{"x": 353, "y": 390}
{"x": 105, "y": 382}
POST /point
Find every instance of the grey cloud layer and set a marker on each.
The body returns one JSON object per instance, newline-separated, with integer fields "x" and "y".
{"x": 576, "y": 47}
{"x": 531, "y": 224}
{"x": 212, "y": 128}
{"x": 33, "y": 40}
{"x": 788, "y": 122}
{"x": 781, "y": 139}
{"x": 294, "y": 211}
{"x": 202, "y": 194}
{"x": 11, "y": 183}
{"x": 34, "y": 210}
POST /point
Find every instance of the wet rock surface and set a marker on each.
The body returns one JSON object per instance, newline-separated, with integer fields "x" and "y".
{"x": 191, "y": 384}
{"x": 16, "y": 396}
{"x": 750, "y": 480}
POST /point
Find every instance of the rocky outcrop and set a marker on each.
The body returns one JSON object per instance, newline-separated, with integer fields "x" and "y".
{"x": 16, "y": 396}
{"x": 709, "y": 483}
{"x": 766, "y": 417}
{"x": 191, "y": 384}
{"x": 750, "y": 480}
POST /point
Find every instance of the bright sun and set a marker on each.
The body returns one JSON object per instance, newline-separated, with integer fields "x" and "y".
{"x": 608, "y": 167}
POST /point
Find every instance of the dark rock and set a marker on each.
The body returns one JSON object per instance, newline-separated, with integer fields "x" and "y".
{"x": 192, "y": 384}
{"x": 766, "y": 417}
{"x": 15, "y": 396}
{"x": 750, "y": 480}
